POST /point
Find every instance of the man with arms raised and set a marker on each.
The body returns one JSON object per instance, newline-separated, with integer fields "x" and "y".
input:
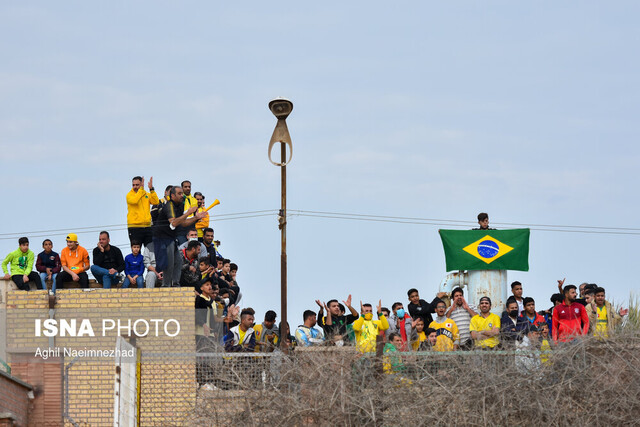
{"x": 367, "y": 329}
{"x": 461, "y": 313}
{"x": 335, "y": 324}
{"x": 139, "y": 210}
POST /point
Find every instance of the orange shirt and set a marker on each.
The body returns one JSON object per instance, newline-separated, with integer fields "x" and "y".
{"x": 77, "y": 261}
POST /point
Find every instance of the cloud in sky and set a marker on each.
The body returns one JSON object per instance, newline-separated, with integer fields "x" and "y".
{"x": 431, "y": 110}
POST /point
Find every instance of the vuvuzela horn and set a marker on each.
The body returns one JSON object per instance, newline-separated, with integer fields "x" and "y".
{"x": 216, "y": 202}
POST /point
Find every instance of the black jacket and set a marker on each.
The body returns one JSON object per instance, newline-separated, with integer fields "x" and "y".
{"x": 424, "y": 310}
{"x": 111, "y": 258}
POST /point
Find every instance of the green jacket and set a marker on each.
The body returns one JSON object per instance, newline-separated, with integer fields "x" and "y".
{"x": 21, "y": 263}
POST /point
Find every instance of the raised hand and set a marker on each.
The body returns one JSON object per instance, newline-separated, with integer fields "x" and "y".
{"x": 361, "y": 307}
{"x": 379, "y": 307}
{"x": 319, "y": 303}
{"x": 150, "y": 183}
{"x": 232, "y": 311}
{"x": 561, "y": 284}
{"x": 347, "y": 303}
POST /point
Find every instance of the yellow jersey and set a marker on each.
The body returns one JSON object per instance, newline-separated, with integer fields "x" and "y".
{"x": 422, "y": 337}
{"x": 447, "y": 334}
{"x": 479, "y": 324}
{"x": 366, "y": 332}
{"x": 601, "y": 323}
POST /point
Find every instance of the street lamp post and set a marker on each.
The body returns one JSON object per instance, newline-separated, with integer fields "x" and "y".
{"x": 281, "y": 108}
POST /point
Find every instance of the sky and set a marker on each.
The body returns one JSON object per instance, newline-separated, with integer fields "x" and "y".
{"x": 437, "y": 110}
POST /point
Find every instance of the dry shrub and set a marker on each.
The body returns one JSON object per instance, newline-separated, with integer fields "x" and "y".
{"x": 589, "y": 382}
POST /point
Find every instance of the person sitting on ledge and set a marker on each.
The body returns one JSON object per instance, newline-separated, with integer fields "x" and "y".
{"x": 107, "y": 262}
{"x": 48, "y": 263}
{"x": 134, "y": 267}
{"x": 75, "y": 263}
{"x": 21, "y": 263}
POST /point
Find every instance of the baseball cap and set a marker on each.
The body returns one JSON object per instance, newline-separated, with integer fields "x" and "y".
{"x": 72, "y": 237}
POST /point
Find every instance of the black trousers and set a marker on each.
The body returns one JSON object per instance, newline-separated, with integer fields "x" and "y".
{"x": 143, "y": 235}
{"x": 34, "y": 277}
{"x": 63, "y": 276}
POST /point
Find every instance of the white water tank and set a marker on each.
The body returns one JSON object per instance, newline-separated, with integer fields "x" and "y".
{"x": 489, "y": 283}
{"x": 478, "y": 284}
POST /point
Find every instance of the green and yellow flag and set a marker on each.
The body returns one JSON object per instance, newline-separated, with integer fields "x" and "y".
{"x": 486, "y": 249}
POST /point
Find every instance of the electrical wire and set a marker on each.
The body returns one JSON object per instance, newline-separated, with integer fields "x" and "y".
{"x": 470, "y": 222}
{"x": 351, "y": 217}
{"x": 122, "y": 226}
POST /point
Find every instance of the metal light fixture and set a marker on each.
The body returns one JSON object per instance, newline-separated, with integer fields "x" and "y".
{"x": 281, "y": 108}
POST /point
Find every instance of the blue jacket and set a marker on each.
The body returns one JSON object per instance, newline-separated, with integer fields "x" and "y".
{"x": 232, "y": 341}
{"x": 510, "y": 332}
{"x": 134, "y": 265}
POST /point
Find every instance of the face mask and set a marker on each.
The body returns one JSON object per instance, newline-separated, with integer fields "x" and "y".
{"x": 513, "y": 313}
{"x": 400, "y": 313}
{"x": 339, "y": 343}
{"x": 193, "y": 239}
{"x": 368, "y": 316}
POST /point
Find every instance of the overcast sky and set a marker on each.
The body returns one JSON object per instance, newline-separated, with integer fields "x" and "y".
{"x": 440, "y": 110}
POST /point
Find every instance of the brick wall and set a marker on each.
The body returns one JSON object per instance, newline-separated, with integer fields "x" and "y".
{"x": 14, "y": 399}
{"x": 168, "y": 387}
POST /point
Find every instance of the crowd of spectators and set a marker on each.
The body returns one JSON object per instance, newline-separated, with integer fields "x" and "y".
{"x": 161, "y": 232}
{"x": 457, "y": 325}
{"x": 179, "y": 250}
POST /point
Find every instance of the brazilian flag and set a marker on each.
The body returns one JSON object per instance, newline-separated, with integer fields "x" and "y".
{"x": 486, "y": 249}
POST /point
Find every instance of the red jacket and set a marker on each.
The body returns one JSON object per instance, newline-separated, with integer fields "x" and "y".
{"x": 536, "y": 321}
{"x": 569, "y": 321}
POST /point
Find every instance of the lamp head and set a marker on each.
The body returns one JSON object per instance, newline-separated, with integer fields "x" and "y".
{"x": 281, "y": 108}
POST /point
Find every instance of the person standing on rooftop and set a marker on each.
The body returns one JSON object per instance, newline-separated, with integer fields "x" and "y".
{"x": 139, "y": 210}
